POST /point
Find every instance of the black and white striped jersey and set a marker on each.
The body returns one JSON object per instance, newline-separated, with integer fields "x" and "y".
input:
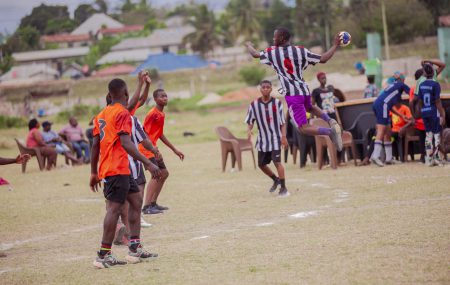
{"x": 289, "y": 63}
{"x": 137, "y": 136}
{"x": 269, "y": 117}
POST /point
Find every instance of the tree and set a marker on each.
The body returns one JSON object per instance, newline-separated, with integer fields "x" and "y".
{"x": 279, "y": 15}
{"x": 23, "y": 39}
{"x": 204, "y": 38}
{"x": 40, "y": 16}
{"x": 56, "y": 26}
{"x": 101, "y": 6}
{"x": 83, "y": 12}
{"x": 243, "y": 15}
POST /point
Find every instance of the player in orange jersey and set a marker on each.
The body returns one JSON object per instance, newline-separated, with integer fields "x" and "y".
{"x": 111, "y": 145}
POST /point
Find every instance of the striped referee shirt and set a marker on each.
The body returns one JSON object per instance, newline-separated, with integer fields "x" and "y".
{"x": 137, "y": 136}
{"x": 289, "y": 63}
{"x": 269, "y": 117}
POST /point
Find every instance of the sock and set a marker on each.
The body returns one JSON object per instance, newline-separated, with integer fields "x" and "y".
{"x": 429, "y": 144}
{"x": 283, "y": 183}
{"x": 274, "y": 178}
{"x": 105, "y": 249}
{"x": 437, "y": 142}
{"x": 324, "y": 131}
{"x": 135, "y": 241}
{"x": 153, "y": 204}
{"x": 325, "y": 117}
{"x": 388, "y": 149}
{"x": 376, "y": 149}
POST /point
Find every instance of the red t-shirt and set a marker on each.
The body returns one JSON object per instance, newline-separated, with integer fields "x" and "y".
{"x": 109, "y": 124}
{"x": 419, "y": 122}
{"x": 153, "y": 127}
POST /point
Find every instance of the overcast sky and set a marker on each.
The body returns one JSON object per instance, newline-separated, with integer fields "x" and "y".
{"x": 11, "y": 11}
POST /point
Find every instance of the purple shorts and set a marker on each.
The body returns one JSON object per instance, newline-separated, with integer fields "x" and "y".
{"x": 297, "y": 107}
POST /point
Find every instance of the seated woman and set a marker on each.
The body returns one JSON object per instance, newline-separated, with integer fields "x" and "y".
{"x": 34, "y": 139}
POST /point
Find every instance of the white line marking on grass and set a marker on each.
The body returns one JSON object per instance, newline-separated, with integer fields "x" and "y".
{"x": 76, "y": 258}
{"x": 297, "y": 180}
{"x": 200, "y": 237}
{"x": 264, "y": 224}
{"x": 302, "y": 215}
{"x": 9, "y": 269}
{"x": 320, "y": 185}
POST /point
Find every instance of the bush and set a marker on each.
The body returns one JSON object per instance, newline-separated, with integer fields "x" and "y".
{"x": 252, "y": 75}
{"x": 12, "y": 122}
{"x": 78, "y": 111}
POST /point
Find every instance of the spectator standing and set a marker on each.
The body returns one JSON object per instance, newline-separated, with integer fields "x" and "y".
{"x": 323, "y": 96}
{"x": 371, "y": 89}
{"x": 74, "y": 134}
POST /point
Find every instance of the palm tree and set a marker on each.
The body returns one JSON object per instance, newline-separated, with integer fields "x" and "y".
{"x": 243, "y": 15}
{"x": 204, "y": 38}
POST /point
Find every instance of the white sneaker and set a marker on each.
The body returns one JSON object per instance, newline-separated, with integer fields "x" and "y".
{"x": 144, "y": 224}
{"x": 377, "y": 161}
{"x": 429, "y": 161}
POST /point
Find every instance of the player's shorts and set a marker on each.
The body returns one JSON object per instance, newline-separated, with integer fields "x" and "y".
{"x": 265, "y": 158}
{"x": 297, "y": 107}
{"x": 432, "y": 124}
{"x": 140, "y": 180}
{"x": 158, "y": 162}
{"x": 117, "y": 187}
{"x": 381, "y": 111}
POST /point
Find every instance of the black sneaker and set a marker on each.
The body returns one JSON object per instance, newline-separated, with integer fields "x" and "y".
{"x": 151, "y": 211}
{"x": 107, "y": 261}
{"x": 283, "y": 192}
{"x": 275, "y": 185}
{"x": 145, "y": 208}
{"x": 161, "y": 208}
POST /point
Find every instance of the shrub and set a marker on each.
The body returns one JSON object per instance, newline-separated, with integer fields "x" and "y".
{"x": 252, "y": 75}
{"x": 12, "y": 122}
{"x": 78, "y": 111}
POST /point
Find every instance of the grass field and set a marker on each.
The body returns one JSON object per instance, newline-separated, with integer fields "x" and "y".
{"x": 355, "y": 225}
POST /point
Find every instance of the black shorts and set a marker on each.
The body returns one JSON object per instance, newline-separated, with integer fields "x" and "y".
{"x": 118, "y": 187}
{"x": 265, "y": 158}
{"x": 140, "y": 180}
{"x": 158, "y": 162}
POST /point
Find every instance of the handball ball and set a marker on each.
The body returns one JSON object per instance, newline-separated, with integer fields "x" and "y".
{"x": 345, "y": 38}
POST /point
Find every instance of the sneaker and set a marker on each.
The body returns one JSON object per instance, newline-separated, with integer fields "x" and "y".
{"x": 107, "y": 261}
{"x": 275, "y": 185}
{"x": 140, "y": 255}
{"x": 393, "y": 161}
{"x": 121, "y": 231}
{"x": 283, "y": 192}
{"x": 336, "y": 135}
{"x": 429, "y": 161}
{"x": 161, "y": 208}
{"x": 151, "y": 211}
{"x": 377, "y": 161}
{"x": 144, "y": 224}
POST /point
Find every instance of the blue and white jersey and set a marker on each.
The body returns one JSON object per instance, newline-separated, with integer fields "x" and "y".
{"x": 429, "y": 92}
{"x": 391, "y": 95}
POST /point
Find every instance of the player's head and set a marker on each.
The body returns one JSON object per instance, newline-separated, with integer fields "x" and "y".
{"x": 118, "y": 90}
{"x": 46, "y": 126}
{"x": 160, "y": 97}
{"x": 418, "y": 74}
{"x": 371, "y": 79}
{"x": 428, "y": 70}
{"x": 265, "y": 87}
{"x": 399, "y": 77}
{"x": 73, "y": 121}
{"x": 108, "y": 99}
{"x": 33, "y": 123}
{"x": 322, "y": 78}
{"x": 281, "y": 36}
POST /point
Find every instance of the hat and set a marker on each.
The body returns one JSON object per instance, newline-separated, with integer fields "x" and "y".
{"x": 46, "y": 123}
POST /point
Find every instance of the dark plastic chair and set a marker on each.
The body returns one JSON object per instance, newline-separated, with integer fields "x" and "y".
{"x": 360, "y": 130}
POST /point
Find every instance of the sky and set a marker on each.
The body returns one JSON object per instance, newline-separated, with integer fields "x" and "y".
{"x": 11, "y": 11}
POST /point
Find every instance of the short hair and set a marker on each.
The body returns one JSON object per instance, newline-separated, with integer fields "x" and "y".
{"x": 371, "y": 79}
{"x": 265, "y": 81}
{"x": 115, "y": 86}
{"x": 418, "y": 73}
{"x": 32, "y": 124}
{"x": 156, "y": 92}
{"x": 284, "y": 33}
{"x": 428, "y": 69}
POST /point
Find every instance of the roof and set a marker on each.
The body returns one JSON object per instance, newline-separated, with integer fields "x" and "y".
{"x": 444, "y": 21}
{"x": 169, "y": 62}
{"x": 174, "y": 21}
{"x": 118, "y": 69}
{"x": 50, "y": 54}
{"x": 134, "y": 55}
{"x": 124, "y": 29}
{"x": 29, "y": 71}
{"x": 95, "y": 23}
{"x": 65, "y": 38}
{"x": 159, "y": 37}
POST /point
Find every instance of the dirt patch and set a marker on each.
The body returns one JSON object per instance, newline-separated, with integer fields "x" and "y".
{"x": 245, "y": 94}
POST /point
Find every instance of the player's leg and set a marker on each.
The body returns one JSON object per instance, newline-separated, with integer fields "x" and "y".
{"x": 388, "y": 146}
{"x": 276, "y": 158}
{"x": 438, "y": 158}
{"x": 141, "y": 181}
{"x": 159, "y": 185}
{"x": 428, "y": 122}
{"x": 264, "y": 159}
{"x": 122, "y": 234}
{"x": 136, "y": 252}
{"x": 381, "y": 113}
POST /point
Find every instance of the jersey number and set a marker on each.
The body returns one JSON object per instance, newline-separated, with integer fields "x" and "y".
{"x": 426, "y": 99}
{"x": 101, "y": 127}
{"x": 289, "y": 67}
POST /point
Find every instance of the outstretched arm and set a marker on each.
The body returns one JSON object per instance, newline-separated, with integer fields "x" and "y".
{"x": 19, "y": 159}
{"x": 135, "y": 99}
{"x": 329, "y": 53}
{"x": 172, "y": 147}
{"x": 130, "y": 148}
{"x": 438, "y": 63}
{"x": 251, "y": 49}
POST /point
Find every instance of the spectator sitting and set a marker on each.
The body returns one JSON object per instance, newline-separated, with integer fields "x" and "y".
{"x": 35, "y": 140}
{"x": 89, "y": 132}
{"x": 51, "y": 138}
{"x": 74, "y": 134}
{"x": 371, "y": 89}
{"x": 399, "y": 126}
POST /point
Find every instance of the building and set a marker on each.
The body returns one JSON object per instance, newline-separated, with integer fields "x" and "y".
{"x": 95, "y": 23}
{"x": 30, "y": 73}
{"x": 66, "y": 40}
{"x": 118, "y": 31}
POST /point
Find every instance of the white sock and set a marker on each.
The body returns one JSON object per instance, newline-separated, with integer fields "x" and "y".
{"x": 429, "y": 144}
{"x": 377, "y": 150}
{"x": 388, "y": 149}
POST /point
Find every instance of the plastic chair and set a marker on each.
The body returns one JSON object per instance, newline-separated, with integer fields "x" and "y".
{"x": 360, "y": 130}
{"x": 33, "y": 152}
{"x": 410, "y": 136}
{"x": 234, "y": 146}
